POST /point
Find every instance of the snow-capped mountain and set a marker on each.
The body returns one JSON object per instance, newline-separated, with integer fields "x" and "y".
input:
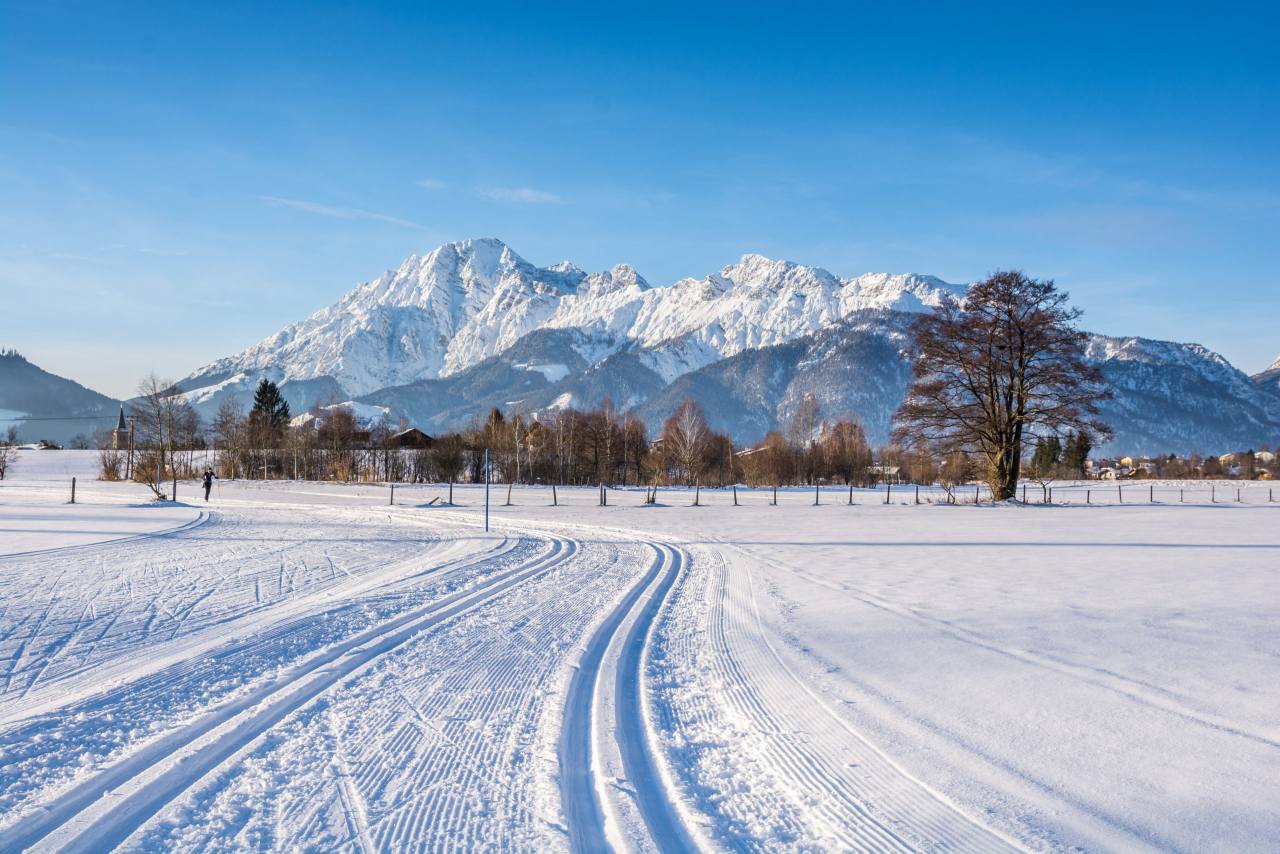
{"x": 447, "y": 311}
{"x": 1270, "y": 377}
{"x": 472, "y": 325}
{"x": 1169, "y": 397}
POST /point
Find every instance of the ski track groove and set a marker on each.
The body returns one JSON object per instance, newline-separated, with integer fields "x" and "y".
{"x": 582, "y": 787}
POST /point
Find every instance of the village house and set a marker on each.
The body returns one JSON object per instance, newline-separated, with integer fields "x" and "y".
{"x": 411, "y": 439}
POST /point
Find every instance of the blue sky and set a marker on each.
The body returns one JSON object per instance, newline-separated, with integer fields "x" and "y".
{"x": 177, "y": 183}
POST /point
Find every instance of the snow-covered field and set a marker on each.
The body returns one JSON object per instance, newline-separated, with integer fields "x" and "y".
{"x": 304, "y": 666}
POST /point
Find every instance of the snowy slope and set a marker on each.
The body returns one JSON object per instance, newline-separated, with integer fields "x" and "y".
{"x": 440, "y": 314}
{"x": 434, "y": 315}
{"x": 1181, "y": 398}
{"x": 1270, "y": 377}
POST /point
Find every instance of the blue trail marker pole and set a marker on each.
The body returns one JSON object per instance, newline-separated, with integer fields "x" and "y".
{"x": 486, "y": 489}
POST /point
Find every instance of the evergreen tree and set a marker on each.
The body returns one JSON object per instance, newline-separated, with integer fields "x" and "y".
{"x": 270, "y": 409}
{"x": 1076, "y": 453}
{"x": 1046, "y": 457}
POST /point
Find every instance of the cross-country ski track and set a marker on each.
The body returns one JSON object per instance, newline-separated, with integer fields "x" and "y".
{"x": 300, "y": 668}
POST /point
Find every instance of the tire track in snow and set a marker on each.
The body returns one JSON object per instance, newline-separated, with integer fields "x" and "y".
{"x": 582, "y": 784}
{"x": 161, "y": 771}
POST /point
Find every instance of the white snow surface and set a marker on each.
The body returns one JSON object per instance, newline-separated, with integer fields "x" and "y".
{"x": 443, "y": 312}
{"x": 308, "y": 667}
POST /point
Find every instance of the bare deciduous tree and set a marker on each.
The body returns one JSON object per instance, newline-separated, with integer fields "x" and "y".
{"x": 8, "y": 453}
{"x": 685, "y": 436}
{"x": 992, "y": 372}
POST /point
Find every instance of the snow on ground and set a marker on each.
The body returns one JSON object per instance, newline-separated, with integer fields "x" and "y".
{"x": 304, "y": 665}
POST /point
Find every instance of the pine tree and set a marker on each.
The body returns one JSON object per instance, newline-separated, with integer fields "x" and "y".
{"x": 1076, "y": 453}
{"x": 270, "y": 409}
{"x": 1046, "y": 457}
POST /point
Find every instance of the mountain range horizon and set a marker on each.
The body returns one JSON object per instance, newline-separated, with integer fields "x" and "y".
{"x": 471, "y": 325}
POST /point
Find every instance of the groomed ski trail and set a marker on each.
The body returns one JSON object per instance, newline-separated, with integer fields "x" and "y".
{"x": 77, "y": 821}
{"x": 589, "y": 797}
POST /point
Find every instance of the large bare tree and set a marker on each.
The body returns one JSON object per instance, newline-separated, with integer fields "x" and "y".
{"x": 685, "y": 436}
{"x": 1004, "y": 365}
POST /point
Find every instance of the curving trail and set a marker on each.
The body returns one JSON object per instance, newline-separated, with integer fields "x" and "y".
{"x": 585, "y": 793}
{"x": 155, "y": 778}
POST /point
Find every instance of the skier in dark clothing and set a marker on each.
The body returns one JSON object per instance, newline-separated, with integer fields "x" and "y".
{"x": 208, "y": 483}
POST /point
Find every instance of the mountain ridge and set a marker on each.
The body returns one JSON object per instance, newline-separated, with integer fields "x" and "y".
{"x": 472, "y": 325}
{"x": 65, "y": 407}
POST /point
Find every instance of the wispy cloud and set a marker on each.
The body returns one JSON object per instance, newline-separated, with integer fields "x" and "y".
{"x": 521, "y": 195}
{"x": 432, "y": 184}
{"x": 338, "y": 212}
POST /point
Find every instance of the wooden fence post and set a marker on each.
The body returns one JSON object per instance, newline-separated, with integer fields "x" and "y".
{"x": 815, "y": 494}
{"x": 509, "y": 485}
{"x": 775, "y": 495}
{"x": 917, "y": 493}
{"x": 735, "y": 495}
{"x": 887, "y": 487}
{"x": 73, "y": 490}
{"x": 392, "y": 502}
{"x": 555, "y": 501}
{"x": 1120, "y": 492}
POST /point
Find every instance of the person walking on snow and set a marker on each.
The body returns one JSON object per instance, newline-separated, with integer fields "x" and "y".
{"x": 208, "y": 482}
